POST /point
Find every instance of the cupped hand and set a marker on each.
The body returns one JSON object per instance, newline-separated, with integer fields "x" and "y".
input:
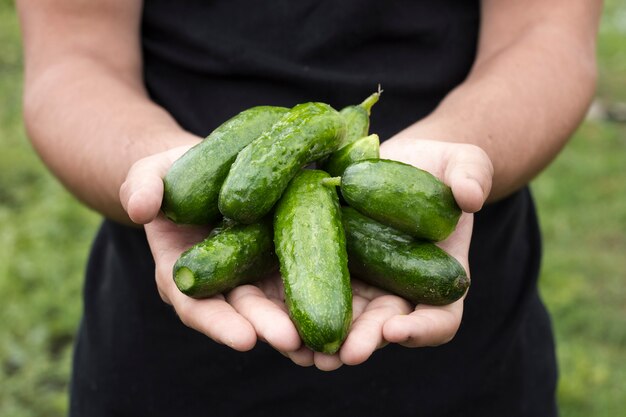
{"x": 258, "y": 312}
{"x": 381, "y": 318}
{"x": 236, "y": 319}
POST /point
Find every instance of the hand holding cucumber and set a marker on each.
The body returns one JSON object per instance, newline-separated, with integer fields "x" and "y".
{"x": 237, "y": 319}
{"x": 201, "y": 289}
{"x": 468, "y": 171}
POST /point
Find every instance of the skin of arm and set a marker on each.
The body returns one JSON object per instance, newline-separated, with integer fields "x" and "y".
{"x": 529, "y": 88}
{"x": 86, "y": 110}
{"x": 89, "y": 117}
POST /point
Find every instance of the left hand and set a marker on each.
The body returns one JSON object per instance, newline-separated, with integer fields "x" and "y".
{"x": 381, "y": 318}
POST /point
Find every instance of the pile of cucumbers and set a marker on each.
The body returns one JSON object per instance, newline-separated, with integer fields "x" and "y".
{"x": 249, "y": 177}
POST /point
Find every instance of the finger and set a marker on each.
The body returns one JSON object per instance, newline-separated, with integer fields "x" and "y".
{"x": 271, "y": 322}
{"x": 366, "y": 333}
{"x": 164, "y": 297}
{"x": 325, "y": 362}
{"x": 302, "y": 356}
{"x": 458, "y": 244}
{"x": 469, "y": 173}
{"x": 168, "y": 240}
{"x": 213, "y": 317}
{"x": 426, "y": 326}
{"x": 142, "y": 191}
{"x": 217, "y": 319}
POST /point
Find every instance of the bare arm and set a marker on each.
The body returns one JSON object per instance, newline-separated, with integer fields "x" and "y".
{"x": 89, "y": 117}
{"x": 528, "y": 90}
{"x": 85, "y": 107}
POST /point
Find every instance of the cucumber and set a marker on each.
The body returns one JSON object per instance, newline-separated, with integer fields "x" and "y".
{"x": 192, "y": 184}
{"x": 364, "y": 148}
{"x": 358, "y": 119}
{"x": 418, "y": 271}
{"x": 402, "y": 196}
{"x": 232, "y": 254}
{"x": 310, "y": 244}
{"x": 263, "y": 169}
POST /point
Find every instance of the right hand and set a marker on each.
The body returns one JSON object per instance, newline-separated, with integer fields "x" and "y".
{"x": 236, "y": 319}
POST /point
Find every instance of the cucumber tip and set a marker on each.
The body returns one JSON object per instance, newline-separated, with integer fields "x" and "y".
{"x": 184, "y": 278}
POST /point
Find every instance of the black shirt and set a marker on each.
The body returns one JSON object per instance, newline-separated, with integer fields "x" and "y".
{"x": 204, "y": 62}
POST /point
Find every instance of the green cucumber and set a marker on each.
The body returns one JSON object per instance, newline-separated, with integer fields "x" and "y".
{"x": 364, "y": 148}
{"x": 263, "y": 169}
{"x": 310, "y": 244}
{"x": 402, "y": 196}
{"x": 358, "y": 119}
{"x": 418, "y": 271}
{"x": 192, "y": 184}
{"x": 232, "y": 254}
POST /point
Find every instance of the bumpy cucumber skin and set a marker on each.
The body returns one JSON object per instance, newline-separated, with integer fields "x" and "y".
{"x": 192, "y": 184}
{"x": 232, "y": 254}
{"x": 263, "y": 169}
{"x": 357, "y": 120}
{"x": 418, "y": 271}
{"x": 359, "y": 150}
{"x": 402, "y": 196}
{"x": 311, "y": 248}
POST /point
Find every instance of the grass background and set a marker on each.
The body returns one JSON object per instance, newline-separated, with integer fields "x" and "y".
{"x": 45, "y": 236}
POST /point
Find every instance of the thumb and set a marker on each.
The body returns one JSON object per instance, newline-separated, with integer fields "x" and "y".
{"x": 470, "y": 174}
{"x": 142, "y": 191}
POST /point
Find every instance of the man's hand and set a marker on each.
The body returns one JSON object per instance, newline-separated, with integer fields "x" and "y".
{"x": 235, "y": 319}
{"x": 382, "y": 318}
{"x": 468, "y": 171}
{"x": 252, "y": 312}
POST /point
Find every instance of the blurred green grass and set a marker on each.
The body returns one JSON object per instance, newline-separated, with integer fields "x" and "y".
{"x": 45, "y": 236}
{"x": 581, "y": 200}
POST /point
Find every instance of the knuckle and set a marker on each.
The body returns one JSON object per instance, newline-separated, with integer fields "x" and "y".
{"x": 164, "y": 297}
{"x": 184, "y": 315}
{"x": 163, "y": 276}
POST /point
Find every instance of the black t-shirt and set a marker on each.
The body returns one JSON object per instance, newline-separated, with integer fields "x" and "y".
{"x": 204, "y": 62}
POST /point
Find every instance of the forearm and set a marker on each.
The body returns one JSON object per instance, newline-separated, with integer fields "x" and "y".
{"x": 89, "y": 125}
{"x": 520, "y": 103}
{"x": 85, "y": 107}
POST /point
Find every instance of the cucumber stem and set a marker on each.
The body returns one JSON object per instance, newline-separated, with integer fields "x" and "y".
{"x": 371, "y": 138}
{"x": 331, "y": 182}
{"x": 371, "y": 100}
